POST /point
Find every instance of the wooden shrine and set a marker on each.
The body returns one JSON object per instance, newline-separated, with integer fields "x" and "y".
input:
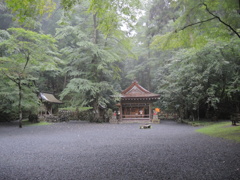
{"x": 47, "y": 101}
{"x": 136, "y": 103}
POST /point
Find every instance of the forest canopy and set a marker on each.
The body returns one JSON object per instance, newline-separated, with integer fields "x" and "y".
{"x": 85, "y": 51}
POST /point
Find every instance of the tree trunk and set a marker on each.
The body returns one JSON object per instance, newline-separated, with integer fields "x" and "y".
{"x": 95, "y": 41}
{"x": 95, "y": 33}
{"x": 96, "y": 111}
{"x": 20, "y": 102}
{"x": 149, "y": 69}
{"x": 65, "y": 82}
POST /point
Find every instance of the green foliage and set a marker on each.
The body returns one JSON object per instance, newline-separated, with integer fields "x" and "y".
{"x": 8, "y": 96}
{"x": 90, "y": 91}
{"x": 187, "y": 52}
{"x": 30, "y": 8}
{"x": 185, "y": 39}
{"x": 24, "y": 54}
{"x": 4, "y": 35}
{"x": 199, "y": 22}
{"x": 198, "y": 123}
{"x": 24, "y": 44}
{"x": 27, "y": 123}
{"x": 75, "y": 108}
{"x": 197, "y": 78}
{"x": 113, "y": 13}
{"x": 92, "y": 55}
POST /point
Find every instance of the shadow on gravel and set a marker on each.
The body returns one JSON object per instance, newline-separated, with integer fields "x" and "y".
{"x": 9, "y": 124}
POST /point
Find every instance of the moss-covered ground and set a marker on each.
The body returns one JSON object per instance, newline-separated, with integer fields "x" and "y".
{"x": 223, "y": 130}
{"x": 41, "y": 123}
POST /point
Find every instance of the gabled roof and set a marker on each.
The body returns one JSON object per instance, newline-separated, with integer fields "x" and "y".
{"x": 49, "y": 98}
{"x": 135, "y": 90}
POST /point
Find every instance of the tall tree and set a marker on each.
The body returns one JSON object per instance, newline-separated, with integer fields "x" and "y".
{"x": 92, "y": 52}
{"x": 26, "y": 53}
{"x": 189, "y": 49}
{"x": 203, "y": 82}
{"x": 156, "y": 20}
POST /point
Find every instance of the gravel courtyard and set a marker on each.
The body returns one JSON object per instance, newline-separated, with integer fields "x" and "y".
{"x": 78, "y": 150}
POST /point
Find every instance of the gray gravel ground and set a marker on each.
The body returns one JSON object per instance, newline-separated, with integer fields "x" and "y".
{"x": 77, "y": 150}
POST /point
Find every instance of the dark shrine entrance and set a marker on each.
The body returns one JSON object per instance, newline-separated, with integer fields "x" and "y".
{"x": 136, "y": 111}
{"x": 136, "y": 103}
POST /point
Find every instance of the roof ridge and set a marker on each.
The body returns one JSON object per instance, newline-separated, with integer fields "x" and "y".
{"x": 135, "y": 84}
{"x": 49, "y": 98}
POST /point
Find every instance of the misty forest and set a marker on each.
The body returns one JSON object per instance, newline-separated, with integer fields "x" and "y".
{"x": 86, "y": 51}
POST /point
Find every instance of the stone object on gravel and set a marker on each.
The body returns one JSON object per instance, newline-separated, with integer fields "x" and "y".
{"x": 146, "y": 126}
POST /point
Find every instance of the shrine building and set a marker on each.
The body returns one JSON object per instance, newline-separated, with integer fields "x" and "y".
{"x": 136, "y": 104}
{"x": 48, "y": 100}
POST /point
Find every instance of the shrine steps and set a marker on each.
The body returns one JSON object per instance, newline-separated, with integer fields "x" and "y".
{"x": 142, "y": 121}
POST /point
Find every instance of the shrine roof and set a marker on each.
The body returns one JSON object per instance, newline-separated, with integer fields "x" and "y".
{"x": 135, "y": 90}
{"x": 49, "y": 98}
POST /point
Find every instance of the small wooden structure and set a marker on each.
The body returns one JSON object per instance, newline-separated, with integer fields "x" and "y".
{"x": 48, "y": 100}
{"x": 136, "y": 104}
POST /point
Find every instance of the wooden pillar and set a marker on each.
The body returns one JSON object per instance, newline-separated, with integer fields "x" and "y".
{"x": 46, "y": 108}
{"x": 51, "y": 109}
{"x": 150, "y": 111}
{"x": 120, "y": 109}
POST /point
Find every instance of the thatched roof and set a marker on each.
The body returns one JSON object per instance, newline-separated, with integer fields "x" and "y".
{"x": 45, "y": 97}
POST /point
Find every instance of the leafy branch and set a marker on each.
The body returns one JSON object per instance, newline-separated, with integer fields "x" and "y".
{"x": 214, "y": 17}
{"x": 230, "y": 27}
{"x": 200, "y": 22}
